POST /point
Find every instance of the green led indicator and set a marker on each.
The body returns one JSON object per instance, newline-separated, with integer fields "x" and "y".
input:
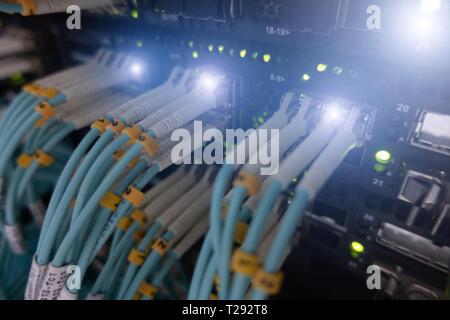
{"x": 139, "y": 43}
{"x": 191, "y": 44}
{"x": 379, "y": 167}
{"x": 383, "y": 156}
{"x": 266, "y": 58}
{"x": 321, "y": 67}
{"x": 134, "y": 14}
{"x": 261, "y": 120}
{"x": 255, "y": 55}
{"x": 306, "y": 77}
{"x": 294, "y": 180}
{"x": 115, "y": 11}
{"x": 242, "y": 53}
{"x": 356, "y": 249}
{"x": 210, "y": 48}
{"x": 231, "y": 52}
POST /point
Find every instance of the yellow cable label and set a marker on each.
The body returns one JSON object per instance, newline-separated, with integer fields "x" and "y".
{"x": 249, "y": 181}
{"x": 147, "y": 290}
{"x": 40, "y": 123}
{"x": 72, "y": 203}
{"x": 217, "y": 282}
{"x": 241, "y": 231}
{"x": 139, "y": 216}
{"x": 24, "y": 160}
{"x": 46, "y": 110}
{"x": 116, "y": 126}
{"x": 137, "y": 296}
{"x": 148, "y": 142}
{"x": 133, "y": 132}
{"x": 244, "y": 263}
{"x": 110, "y": 201}
{"x": 134, "y": 196}
{"x": 161, "y": 246}
{"x": 213, "y": 297}
{"x": 133, "y": 163}
{"x": 29, "y": 7}
{"x": 270, "y": 283}
{"x": 31, "y": 87}
{"x": 124, "y": 223}
{"x": 118, "y": 154}
{"x": 224, "y": 210}
{"x": 137, "y": 257}
{"x": 43, "y": 158}
{"x": 139, "y": 235}
{"x": 101, "y": 125}
{"x": 49, "y": 93}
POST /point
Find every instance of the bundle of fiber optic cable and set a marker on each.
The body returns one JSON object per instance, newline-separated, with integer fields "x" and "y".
{"x": 138, "y": 265}
{"x": 38, "y": 7}
{"x": 36, "y": 123}
{"x": 104, "y": 178}
{"x": 253, "y": 269}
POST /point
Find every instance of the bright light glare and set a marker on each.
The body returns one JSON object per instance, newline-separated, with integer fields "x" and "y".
{"x": 430, "y": 5}
{"x": 209, "y": 82}
{"x": 136, "y": 69}
{"x": 423, "y": 26}
{"x": 334, "y": 112}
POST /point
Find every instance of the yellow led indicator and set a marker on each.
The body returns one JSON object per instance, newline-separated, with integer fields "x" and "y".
{"x": 383, "y": 156}
{"x": 242, "y": 53}
{"x": 321, "y": 67}
{"x": 195, "y": 54}
{"x": 210, "y": 47}
{"x": 266, "y": 58}
{"x": 220, "y": 49}
{"x": 134, "y": 14}
{"x": 114, "y": 10}
{"x": 305, "y": 77}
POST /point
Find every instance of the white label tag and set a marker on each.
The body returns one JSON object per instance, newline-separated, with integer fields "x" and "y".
{"x": 15, "y": 239}
{"x": 37, "y": 273}
{"x": 54, "y": 281}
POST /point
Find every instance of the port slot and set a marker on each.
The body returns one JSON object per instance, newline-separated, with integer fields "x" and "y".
{"x": 325, "y": 236}
{"x": 337, "y": 215}
{"x": 414, "y": 246}
{"x": 432, "y": 132}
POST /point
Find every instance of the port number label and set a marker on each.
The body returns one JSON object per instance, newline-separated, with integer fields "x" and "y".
{"x": 403, "y": 108}
{"x": 377, "y": 182}
{"x": 277, "y": 31}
